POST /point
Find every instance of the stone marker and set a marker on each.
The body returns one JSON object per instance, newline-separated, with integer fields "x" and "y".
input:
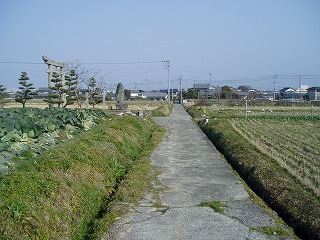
{"x": 120, "y": 97}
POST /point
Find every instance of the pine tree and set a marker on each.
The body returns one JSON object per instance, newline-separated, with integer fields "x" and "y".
{"x": 93, "y": 90}
{"x": 26, "y": 90}
{"x": 3, "y": 95}
{"x": 55, "y": 97}
{"x": 71, "y": 88}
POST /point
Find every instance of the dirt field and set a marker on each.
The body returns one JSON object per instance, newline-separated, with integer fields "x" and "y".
{"x": 132, "y": 105}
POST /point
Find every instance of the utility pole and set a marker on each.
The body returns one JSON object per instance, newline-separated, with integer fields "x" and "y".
{"x": 172, "y": 91}
{"x": 210, "y": 74}
{"x": 246, "y": 108}
{"x": 274, "y": 86}
{"x": 180, "y": 89}
{"x": 299, "y": 86}
{"x": 168, "y": 68}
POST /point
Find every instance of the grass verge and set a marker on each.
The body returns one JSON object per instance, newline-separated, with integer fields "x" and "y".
{"x": 163, "y": 111}
{"x": 65, "y": 190}
{"x": 131, "y": 189}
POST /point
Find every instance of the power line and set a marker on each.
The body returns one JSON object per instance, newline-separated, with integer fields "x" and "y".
{"x": 89, "y": 63}
{"x": 133, "y": 74}
{"x": 20, "y": 63}
{"x": 120, "y": 63}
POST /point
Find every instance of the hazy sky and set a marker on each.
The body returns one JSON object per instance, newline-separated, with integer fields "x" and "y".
{"x": 242, "y": 42}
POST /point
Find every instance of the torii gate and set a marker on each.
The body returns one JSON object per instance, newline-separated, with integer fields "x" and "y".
{"x": 58, "y": 67}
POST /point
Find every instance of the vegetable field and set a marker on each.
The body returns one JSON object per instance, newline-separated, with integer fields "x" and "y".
{"x": 24, "y": 133}
{"x": 294, "y": 144}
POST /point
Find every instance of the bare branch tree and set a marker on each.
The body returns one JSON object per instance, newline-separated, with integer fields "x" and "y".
{"x": 90, "y": 80}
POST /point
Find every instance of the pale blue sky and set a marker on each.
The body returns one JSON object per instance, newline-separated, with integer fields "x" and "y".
{"x": 240, "y": 41}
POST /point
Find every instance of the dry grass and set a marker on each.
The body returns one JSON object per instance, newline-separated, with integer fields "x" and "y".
{"x": 132, "y": 105}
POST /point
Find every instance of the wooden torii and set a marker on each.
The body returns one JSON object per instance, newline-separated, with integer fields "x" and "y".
{"x": 58, "y": 67}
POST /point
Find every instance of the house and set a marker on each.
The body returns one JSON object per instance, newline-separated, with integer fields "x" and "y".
{"x": 202, "y": 88}
{"x": 148, "y": 94}
{"x": 11, "y": 93}
{"x": 266, "y": 95}
{"x": 313, "y": 94}
{"x": 288, "y": 93}
{"x": 136, "y": 94}
{"x": 243, "y": 94}
{"x": 155, "y": 95}
{"x": 206, "y": 89}
{"x": 173, "y": 91}
{"x": 42, "y": 92}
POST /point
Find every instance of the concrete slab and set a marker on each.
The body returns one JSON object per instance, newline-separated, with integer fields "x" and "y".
{"x": 193, "y": 172}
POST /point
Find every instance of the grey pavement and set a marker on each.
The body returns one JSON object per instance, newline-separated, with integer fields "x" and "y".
{"x": 192, "y": 172}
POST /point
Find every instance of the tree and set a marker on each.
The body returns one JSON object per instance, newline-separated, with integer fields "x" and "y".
{"x": 88, "y": 77}
{"x": 55, "y": 97}
{"x": 71, "y": 88}
{"x": 192, "y": 93}
{"x": 3, "y": 95}
{"x": 127, "y": 94}
{"x": 227, "y": 93}
{"x": 244, "y": 88}
{"x": 26, "y": 90}
{"x": 93, "y": 91}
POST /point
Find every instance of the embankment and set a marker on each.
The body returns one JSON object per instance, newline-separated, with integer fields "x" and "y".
{"x": 63, "y": 191}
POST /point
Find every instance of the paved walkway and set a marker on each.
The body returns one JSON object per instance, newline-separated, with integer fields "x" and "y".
{"x": 192, "y": 172}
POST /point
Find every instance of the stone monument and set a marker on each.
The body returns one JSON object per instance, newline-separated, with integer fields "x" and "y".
{"x": 120, "y": 98}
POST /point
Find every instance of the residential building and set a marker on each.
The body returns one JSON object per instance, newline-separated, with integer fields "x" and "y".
{"x": 288, "y": 93}
{"x": 313, "y": 94}
{"x": 155, "y": 95}
{"x": 136, "y": 93}
{"x": 265, "y": 95}
{"x": 173, "y": 91}
{"x": 206, "y": 90}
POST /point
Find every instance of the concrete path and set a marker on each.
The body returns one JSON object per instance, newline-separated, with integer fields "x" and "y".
{"x": 192, "y": 172}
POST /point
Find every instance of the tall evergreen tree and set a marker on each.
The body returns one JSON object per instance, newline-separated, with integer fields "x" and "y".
{"x": 26, "y": 90}
{"x": 3, "y": 95}
{"x": 93, "y": 91}
{"x": 192, "y": 93}
{"x": 71, "y": 88}
{"x": 55, "y": 97}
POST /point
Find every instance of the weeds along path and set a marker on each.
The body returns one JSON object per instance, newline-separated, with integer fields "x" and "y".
{"x": 197, "y": 195}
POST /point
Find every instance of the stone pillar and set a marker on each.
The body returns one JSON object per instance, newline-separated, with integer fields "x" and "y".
{"x": 104, "y": 99}
{"x": 87, "y": 100}
{"x": 49, "y": 71}
{"x": 63, "y": 83}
